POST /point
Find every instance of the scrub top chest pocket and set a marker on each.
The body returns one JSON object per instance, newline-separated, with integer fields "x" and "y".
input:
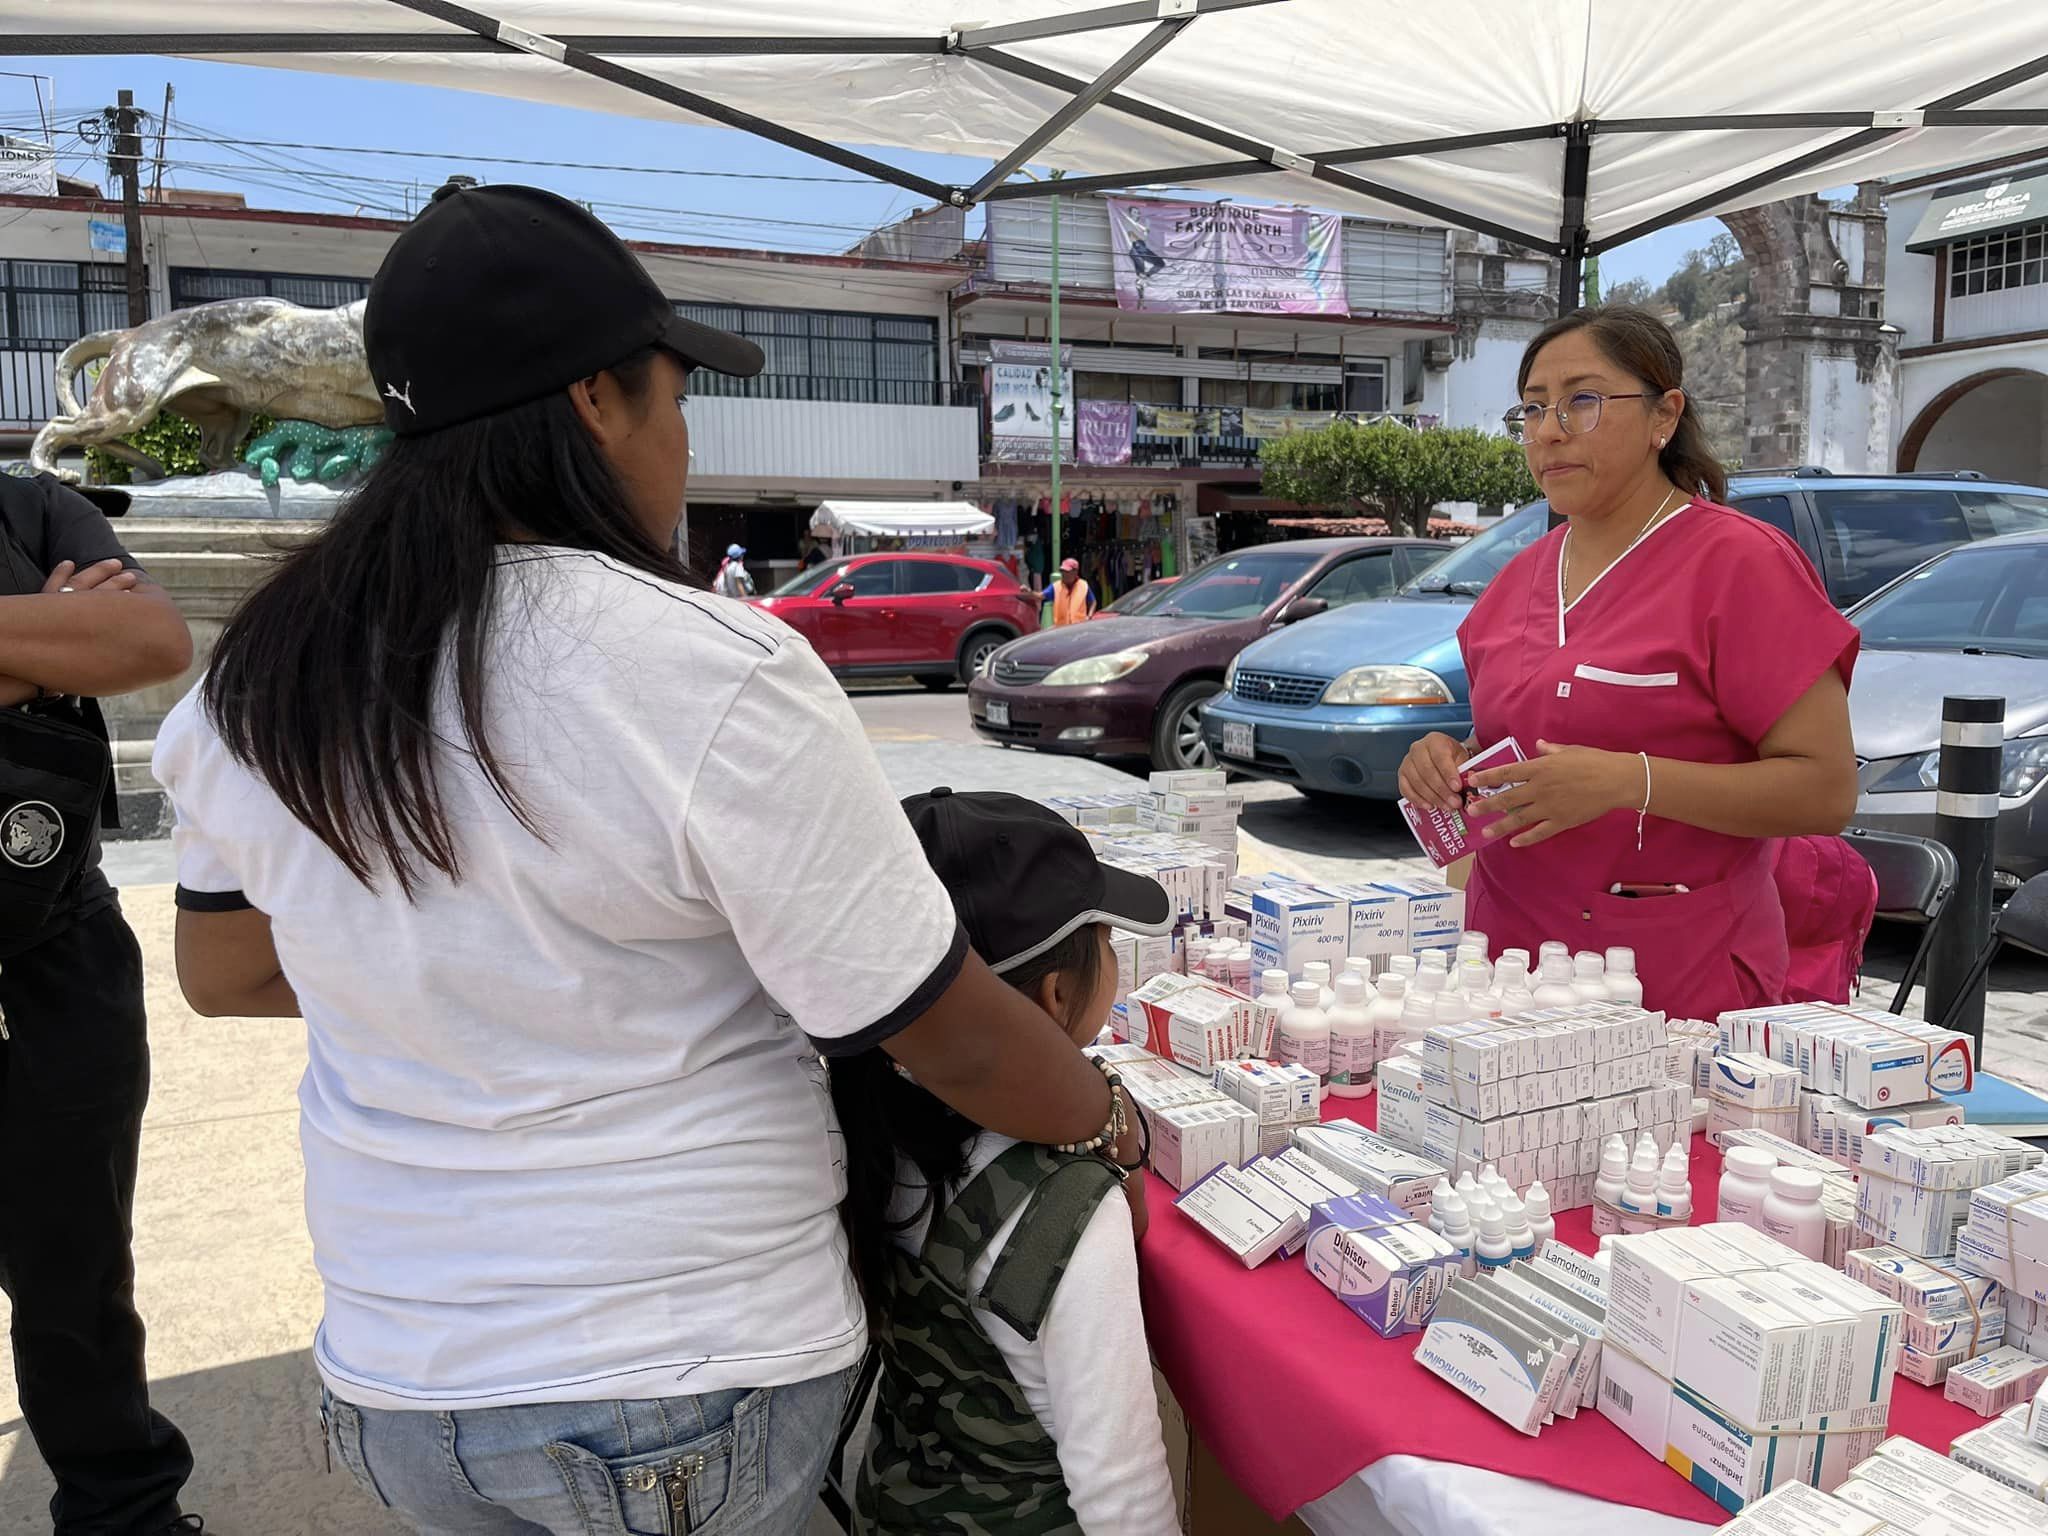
{"x": 1624, "y": 699}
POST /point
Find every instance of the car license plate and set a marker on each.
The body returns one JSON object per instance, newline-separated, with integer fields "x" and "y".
{"x": 1237, "y": 740}
{"x": 998, "y": 713}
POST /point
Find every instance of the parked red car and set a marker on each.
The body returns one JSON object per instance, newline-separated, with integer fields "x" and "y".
{"x": 935, "y": 617}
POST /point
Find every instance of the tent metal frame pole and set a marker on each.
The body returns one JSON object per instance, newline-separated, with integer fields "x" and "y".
{"x": 674, "y": 95}
{"x": 1134, "y": 13}
{"x": 621, "y": 45}
{"x": 1573, "y": 242}
{"x": 1079, "y": 104}
{"x": 2019, "y": 74}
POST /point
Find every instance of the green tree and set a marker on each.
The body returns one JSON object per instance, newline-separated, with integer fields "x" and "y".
{"x": 1634, "y": 290}
{"x": 1391, "y": 471}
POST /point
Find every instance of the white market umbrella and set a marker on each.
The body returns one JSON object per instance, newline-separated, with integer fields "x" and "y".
{"x": 1570, "y": 126}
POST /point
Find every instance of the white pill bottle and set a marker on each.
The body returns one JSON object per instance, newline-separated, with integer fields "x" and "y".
{"x": 1792, "y": 1212}
{"x": 1745, "y": 1185}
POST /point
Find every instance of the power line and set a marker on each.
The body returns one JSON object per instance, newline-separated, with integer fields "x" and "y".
{"x": 564, "y": 165}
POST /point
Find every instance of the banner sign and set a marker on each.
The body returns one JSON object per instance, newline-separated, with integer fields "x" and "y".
{"x": 27, "y": 169}
{"x": 1214, "y": 258}
{"x": 1104, "y": 429}
{"x": 1020, "y": 403}
{"x": 1227, "y": 421}
{"x": 106, "y": 235}
{"x": 1258, "y": 423}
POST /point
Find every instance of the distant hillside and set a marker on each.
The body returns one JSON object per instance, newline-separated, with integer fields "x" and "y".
{"x": 1703, "y": 302}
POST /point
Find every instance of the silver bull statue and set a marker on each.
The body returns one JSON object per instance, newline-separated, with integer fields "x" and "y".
{"x": 217, "y": 365}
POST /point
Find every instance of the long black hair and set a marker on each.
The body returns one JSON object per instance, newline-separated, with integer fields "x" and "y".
{"x": 1641, "y": 345}
{"x": 324, "y": 682}
{"x": 885, "y": 1117}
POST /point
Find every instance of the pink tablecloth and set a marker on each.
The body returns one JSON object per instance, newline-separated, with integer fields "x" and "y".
{"x": 1294, "y": 1394}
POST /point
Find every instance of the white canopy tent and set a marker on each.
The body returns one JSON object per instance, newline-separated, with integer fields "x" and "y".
{"x": 901, "y": 520}
{"x": 1571, "y": 126}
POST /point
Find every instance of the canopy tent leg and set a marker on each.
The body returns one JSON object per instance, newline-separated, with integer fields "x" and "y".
{"x": 1572, "y": 239}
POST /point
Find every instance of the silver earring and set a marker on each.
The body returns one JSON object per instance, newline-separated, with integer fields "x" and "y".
{"x": 1660, "y": 443}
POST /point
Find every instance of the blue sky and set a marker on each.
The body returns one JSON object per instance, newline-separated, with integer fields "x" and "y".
{"x": 264, "y": 107}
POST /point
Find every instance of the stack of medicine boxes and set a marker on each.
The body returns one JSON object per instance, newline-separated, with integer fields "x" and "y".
{"x": 1537, "y": 1094}
{"x": 2012, "y": 1450}
{"x": 1950, "y": 1315}
{"x": 1742, "y": 1365}
{"x": 1902, "y": 1489}
{"x": 2006, "y": 1239}
{"x": 1859, "y": 1069}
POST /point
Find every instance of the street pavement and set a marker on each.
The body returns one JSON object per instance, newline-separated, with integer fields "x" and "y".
{"x": 224, "y": 1269}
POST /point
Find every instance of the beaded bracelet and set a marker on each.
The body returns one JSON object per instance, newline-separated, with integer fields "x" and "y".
{"x": 1113, "y": 1132}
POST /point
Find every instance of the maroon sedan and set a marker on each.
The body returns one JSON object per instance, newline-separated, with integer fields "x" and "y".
{"x": 1134, "y": 687}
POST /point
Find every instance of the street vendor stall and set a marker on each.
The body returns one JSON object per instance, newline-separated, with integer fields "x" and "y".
{"x": 1313, "y": 1413}
{"x": 856, "y": 527}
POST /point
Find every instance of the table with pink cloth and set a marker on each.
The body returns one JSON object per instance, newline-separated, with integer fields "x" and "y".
{"x": 1296, "y": 1397}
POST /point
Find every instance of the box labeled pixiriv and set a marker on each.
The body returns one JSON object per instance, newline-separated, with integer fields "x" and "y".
{"x": 1293, "y": 925}
{"x": 1436, "y": 913}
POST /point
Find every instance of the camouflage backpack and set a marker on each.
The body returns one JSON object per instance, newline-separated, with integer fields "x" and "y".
{"x": 956, "y": 1447}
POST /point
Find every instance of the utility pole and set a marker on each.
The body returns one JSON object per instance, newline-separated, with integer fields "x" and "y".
{"x": 163, "y": 128}
{"x": 1058, "y": 402}
{"x": 126, "y": 163}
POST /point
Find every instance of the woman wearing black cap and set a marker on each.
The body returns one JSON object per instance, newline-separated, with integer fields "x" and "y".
{"x": 549, "y": 848}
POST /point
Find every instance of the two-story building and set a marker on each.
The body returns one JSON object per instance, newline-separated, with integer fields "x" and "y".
{"x": 1967, "y": 287}
{"x": 856, "y": 400}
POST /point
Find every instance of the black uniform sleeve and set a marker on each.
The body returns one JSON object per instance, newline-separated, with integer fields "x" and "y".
{"x": 75, "y": 530}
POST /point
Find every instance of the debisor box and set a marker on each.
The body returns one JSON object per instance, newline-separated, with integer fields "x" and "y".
{"x": 1381, "y": 1263}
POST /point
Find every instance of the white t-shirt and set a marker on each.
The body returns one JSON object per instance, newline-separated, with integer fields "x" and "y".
{"x": 1088, "y": 1375}
{"x": 559, "y": 1143}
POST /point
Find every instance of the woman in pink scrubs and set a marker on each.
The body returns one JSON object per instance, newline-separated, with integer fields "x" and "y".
{"x": 1675, "y": 673}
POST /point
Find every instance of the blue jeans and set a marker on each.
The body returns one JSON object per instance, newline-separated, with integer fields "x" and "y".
{"x": 723, "y": 1464}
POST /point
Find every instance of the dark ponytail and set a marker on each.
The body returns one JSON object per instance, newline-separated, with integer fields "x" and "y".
{"x": 325, "y": 681}
{"x": 1641, "y": 345}
{"x": 885, "y": 1117}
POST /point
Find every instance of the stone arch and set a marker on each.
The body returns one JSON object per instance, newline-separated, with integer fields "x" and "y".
{"x": 1915, "y": 441}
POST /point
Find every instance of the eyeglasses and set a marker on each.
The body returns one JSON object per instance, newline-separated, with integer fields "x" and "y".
{"x": 1579, "y": 414}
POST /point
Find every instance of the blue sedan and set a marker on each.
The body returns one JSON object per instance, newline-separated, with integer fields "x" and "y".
{"x": 1297, "y": 706}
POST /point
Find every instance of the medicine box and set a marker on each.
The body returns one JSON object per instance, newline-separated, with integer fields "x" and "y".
{"x": 1189, "y": 781}
{"x": 1402, "y": 1106}
{"x": 1189, "y": 1141}
{"x": 1379, "y": 923}
{"x": 1931, "y": 1484}
{"x": 1447, "y": 836}
{"x": 1436, "y": 913}
{"x": 1277, "y": 1092}
{"x": 1921, "y": 1289}
{"x": 1292, "y": 926}
{"x": 1753, "y": 1082}
{"x": 1372, "y": 1162}
{"x": 1198, "y": 1023}
{"x": 1503, "y": 1368}
{"x": 1724, "y": 1118}
{"x": 1797, "y": 1510}
{"x": 1249, "y": 1216}
{"x": 1648, "y": 1274}
{"x": 1932, "y": 1370}
{"x": 2003, "y": 1452}
{"x": 1381, "y": 1263}
{"x": 1993, "y": 1382}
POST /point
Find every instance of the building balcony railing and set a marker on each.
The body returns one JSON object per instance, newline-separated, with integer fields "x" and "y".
{"x": 796, "y": 386}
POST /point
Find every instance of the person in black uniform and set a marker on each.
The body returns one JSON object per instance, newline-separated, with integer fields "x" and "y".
{"x": 78, "y": 622}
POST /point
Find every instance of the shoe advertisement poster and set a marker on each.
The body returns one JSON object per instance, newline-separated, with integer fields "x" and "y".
{"x": 1020, "y": 403}
{"x": 1217, "y": 258}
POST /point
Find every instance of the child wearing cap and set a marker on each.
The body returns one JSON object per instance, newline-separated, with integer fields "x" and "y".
{"x": 1001, "y": 1278}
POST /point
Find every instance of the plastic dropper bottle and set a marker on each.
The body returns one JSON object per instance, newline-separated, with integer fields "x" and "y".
{"x": 1491, "y": 1184}
{"x": 1623, "y": 985}
{"x": 1674, "y": 1189}
{"x": 1318, "y": 971}
{"x": 1646, "y": 1146}
{"x": 1555, "y": 990}
{"x": 1589, "y": 976}
{"x": 1493, "y": 1250}
{"x": 1438, "y": 1198}
{"x": 1273, "y": 1001}
{"x": 1354, "y": 1043}
{"x": 1467, "y": 1186}
{"x": 1639, "y": 1198}
{"x": 1521, "y": 1240}
{"x": 1457, "y": 1229}
{"x": 1384, "y": 1014}
{"x": 1609, "y": 1185}
{"x": 1305, "y": 1031}
{"x": 1537, "y": 1203}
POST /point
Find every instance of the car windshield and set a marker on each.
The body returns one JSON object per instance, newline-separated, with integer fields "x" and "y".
{"x": 1235, "y": 586}
{"x": 803, "y": 583}
{"x": 1978, "y": 600}
{"x": 1141, "y": 599}
{"x": 1466, "y": 570}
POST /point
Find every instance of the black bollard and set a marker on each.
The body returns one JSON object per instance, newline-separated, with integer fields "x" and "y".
{"x": 1966, "y": 820}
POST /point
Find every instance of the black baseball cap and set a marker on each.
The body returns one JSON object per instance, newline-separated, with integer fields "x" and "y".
{"x": 495, "y": 296}
{"x": 1022, "y": 879}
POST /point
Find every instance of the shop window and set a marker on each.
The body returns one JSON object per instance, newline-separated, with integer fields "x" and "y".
{"x": 826, "y": 355}
{"x": 2010, "y": 258}
{"x": 205, "y": 285}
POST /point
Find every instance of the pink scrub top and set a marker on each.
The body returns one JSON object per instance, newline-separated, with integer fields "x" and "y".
{"x": 1691, "y": 646}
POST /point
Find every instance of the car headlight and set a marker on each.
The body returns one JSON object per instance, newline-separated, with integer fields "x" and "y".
{"x": 1096, "y": 669}
{"x": 1388, "y": 685}
{"x": 2023, "y": 764}
{"x": 1230, "y": 674}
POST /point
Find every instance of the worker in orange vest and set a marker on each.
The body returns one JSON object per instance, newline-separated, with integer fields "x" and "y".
{"x": 1072, "y": 602}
